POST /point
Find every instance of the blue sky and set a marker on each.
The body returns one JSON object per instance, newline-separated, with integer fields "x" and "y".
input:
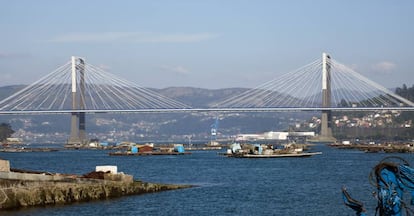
{"x": 207, "y": 44}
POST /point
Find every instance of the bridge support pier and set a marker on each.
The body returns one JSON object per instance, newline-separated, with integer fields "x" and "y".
{"x": 77, "y": 129}
{"x": 326, "y": 118}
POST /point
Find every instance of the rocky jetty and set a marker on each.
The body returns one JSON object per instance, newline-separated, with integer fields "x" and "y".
{"x": 22, "y": 189}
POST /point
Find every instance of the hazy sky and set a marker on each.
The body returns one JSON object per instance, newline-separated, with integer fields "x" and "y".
{"x": 206, "y": 43}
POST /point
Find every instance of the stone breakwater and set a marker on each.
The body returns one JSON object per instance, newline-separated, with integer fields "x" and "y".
{"x": 19, "y": 188}
{"x": 18, "y": 193}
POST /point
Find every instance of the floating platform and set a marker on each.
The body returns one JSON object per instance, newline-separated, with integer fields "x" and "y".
{"x": 305, "y": 154}
{"x": 203, "y": 148}
{"x": 12, "y": 150}
{"x": 147, "y": 153}
{"x": 376, "y": 148}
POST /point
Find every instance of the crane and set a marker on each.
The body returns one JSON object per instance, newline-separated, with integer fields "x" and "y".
{"x": 214, "y": 128}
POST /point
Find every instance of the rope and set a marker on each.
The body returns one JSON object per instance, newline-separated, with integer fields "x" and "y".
{"x": 403, "y": 175}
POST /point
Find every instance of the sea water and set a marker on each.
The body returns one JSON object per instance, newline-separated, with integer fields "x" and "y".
{"x": 223, "y": 186}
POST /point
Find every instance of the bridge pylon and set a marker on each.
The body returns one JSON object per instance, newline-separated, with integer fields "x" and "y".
{"x": 326, "y": 117}
{"x": 77, "y": 129}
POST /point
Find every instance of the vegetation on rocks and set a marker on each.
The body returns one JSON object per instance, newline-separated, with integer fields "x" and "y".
{"x": 18, "y": 193}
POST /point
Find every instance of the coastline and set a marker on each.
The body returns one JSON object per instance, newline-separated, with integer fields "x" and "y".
{"x": 21, "y": 188}
{"x": 16, "y": 194}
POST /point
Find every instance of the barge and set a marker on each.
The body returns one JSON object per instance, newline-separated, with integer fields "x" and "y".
{"x": 267, "y": 151}
{"x": 304, "y": 154}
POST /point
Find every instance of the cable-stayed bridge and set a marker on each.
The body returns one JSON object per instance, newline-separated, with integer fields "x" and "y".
{"x": 99, "y": 91}
{"x": 303, "y": 89}
{"x": 323, "y": 85}
{"x": 81, "y": 87}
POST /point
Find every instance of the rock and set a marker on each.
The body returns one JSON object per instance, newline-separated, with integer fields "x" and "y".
{"x": 18, "y": 193}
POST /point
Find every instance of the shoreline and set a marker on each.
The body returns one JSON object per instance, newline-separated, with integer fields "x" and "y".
{"x": 16, "y": 194}
{"x": 22, "y": 188}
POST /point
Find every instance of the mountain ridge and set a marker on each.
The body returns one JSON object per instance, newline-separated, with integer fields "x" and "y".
{"x": 137, "y": 126}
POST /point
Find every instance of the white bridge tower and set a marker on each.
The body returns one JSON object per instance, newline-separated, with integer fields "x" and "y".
{"x": 77, "y": 129}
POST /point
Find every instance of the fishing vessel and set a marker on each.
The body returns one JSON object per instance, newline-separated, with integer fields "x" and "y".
{"x": 268, "y": 151}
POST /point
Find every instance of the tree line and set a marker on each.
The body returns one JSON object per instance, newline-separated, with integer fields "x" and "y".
{"x": 5, "y": 131}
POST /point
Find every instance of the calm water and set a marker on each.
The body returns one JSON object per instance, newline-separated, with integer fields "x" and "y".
{"x": 226, "y": 186}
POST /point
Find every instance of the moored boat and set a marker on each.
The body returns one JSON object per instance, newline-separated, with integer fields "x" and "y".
{"x": 304, "y": 154}
{"x": 267, "y": 151}
{"x": 148, "y": 149}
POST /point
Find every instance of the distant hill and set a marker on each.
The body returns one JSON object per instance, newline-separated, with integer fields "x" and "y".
{"x": 6, "y": 91}
{"x": 195, "y": 97}
{"x": 198, "y": 97}
{"x": 138, "y": 125}
{"x": 147, "y": 126}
